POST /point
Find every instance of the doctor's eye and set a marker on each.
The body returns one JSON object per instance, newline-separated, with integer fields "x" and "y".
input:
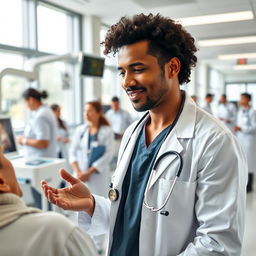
{"x": 121, "y": 73}
{"x": 139, "y": 70}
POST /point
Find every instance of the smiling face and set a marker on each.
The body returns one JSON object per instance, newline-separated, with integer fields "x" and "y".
{"x": 147, "y": 85}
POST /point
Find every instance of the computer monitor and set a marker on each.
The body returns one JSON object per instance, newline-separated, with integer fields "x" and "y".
{"x": 7, "y": 138}
{"x": 91, "y": 65}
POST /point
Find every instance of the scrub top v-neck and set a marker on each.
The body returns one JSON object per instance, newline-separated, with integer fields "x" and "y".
{"x": 127, "y": 226}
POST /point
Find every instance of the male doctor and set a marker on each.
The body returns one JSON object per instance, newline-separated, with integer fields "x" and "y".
{"x": 204, "y": 213}
{"x": 226, "y": 112}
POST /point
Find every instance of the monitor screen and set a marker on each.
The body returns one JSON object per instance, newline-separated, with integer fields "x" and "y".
{"x": 92, "y": 66}
{"x": 7, "y": 139}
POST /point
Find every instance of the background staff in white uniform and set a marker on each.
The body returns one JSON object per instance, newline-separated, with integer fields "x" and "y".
{"x": 207, "y": 105}
{"x": 119, "y": 120}
{"x": 39, "y": 139}
{"x": 204, "y": 214}
{"x": 96, "y": 175}
{"x": 41, "y": 128}
{"x": 246, "y": 133}
{"x": 62, "y": 133}
{"x": 35, "y": 232}
{"x": 226, "y": 111}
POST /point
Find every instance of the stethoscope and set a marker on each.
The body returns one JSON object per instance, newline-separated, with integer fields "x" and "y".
{"x": 145, "y": 201}
{"x": 114, "y": 194}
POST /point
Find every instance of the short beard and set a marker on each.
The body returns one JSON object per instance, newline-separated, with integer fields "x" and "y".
{"x": 150, "y": 103}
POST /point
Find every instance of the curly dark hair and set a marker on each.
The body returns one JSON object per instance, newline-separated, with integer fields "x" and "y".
{"x": 166, "y": 38}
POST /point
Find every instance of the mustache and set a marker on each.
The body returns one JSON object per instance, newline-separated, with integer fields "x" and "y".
{"x": 135, "y": 88}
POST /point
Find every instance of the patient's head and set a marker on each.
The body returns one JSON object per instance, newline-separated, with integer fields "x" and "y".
{"x": 8, "y": 181}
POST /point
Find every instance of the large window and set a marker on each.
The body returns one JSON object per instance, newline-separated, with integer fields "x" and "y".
{"x": 56, "y": 79}
{"x": 12, "y": 87}
{"x": 30, "y": 29}
{"x": 110, "y": 82}
{"x": 11, "y": 22}
{"x": 52, "y": 30}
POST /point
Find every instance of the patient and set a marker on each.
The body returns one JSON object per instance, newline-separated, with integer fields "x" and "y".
{"x": 28, "y": 231}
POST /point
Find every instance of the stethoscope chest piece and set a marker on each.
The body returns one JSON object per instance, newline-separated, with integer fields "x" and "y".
{"x": 113, "y": 194}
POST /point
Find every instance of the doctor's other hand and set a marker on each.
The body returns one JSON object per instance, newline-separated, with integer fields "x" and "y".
{"x": 76, "y": 197}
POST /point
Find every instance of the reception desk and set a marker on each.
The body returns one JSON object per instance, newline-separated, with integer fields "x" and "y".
{"x": 34, "y": 171}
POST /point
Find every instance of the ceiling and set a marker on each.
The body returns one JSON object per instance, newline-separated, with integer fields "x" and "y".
{"x": 181, "y": 9}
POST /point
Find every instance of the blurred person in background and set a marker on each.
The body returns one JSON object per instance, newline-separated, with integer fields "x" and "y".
{"x": 62, "y": 133}
{"x": 226, "y": 111}
{"x": 39, "y": 139}
{"x": 245, "y": 129}
{"x": 119, "y": 120}
{"x": 207, "y": 105}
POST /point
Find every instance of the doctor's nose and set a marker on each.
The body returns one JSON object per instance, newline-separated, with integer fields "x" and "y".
{"x": 128, "y": 81}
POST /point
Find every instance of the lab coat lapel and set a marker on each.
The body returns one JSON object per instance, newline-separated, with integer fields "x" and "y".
{"x": 184, "y": 129}
{"x": 125, "y": 160}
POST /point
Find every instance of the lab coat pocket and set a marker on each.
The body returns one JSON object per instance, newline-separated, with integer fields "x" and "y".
{"x": 180, "y": 222}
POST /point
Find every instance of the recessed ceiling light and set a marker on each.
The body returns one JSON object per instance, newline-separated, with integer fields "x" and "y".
{"x": 245, "y": 67}
{"x": 227, "y": 41}
{"x": 237, "y": 56}
{"x": 216, "y": 18}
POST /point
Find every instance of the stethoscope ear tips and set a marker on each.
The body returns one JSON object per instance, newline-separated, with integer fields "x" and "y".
{"x": 165, "y": 213}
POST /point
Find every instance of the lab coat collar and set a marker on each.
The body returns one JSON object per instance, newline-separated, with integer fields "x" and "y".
{"x": 186, "y": 124}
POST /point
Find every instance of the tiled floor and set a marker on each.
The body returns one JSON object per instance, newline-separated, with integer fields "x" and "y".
{"x": 249, "y": 244}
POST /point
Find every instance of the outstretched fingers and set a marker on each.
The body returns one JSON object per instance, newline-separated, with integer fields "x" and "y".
{"x": 68, "y": 177}
{"x": 48, "y": 189}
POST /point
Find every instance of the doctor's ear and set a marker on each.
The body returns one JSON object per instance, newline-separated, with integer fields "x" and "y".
{"x": 4, "y": 187}
{"x": 173, "y": 67}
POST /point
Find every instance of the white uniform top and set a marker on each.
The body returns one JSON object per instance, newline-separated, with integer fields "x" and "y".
{"x": 207, "y": 108}
{"x": 207, "y": 206}
{"x": 41, "y": 126}
{"x": 227, "y": 112}
{"x": 61, "y": 146}
{"x": 246, "y": 120}
{"x": 119, "y": 120}
{"x": 79, "y": 152}
{"x": 28, "y": 232}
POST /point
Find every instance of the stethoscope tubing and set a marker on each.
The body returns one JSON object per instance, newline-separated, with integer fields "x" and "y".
{"x": 145, "y": 202}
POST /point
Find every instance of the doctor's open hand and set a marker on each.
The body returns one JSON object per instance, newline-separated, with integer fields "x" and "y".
{"x": 76, "y": 197}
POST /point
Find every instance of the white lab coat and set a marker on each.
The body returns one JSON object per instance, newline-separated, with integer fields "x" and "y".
{"x": 61, "y": 146}
{"x": 227, "y": 112}
{"x": 42, "y": 125}
{"x": 207, "y": 107}
{"x": 208, "y": 202}
{"x": 247, "y": 136}
{"x": 99, "y": 181}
